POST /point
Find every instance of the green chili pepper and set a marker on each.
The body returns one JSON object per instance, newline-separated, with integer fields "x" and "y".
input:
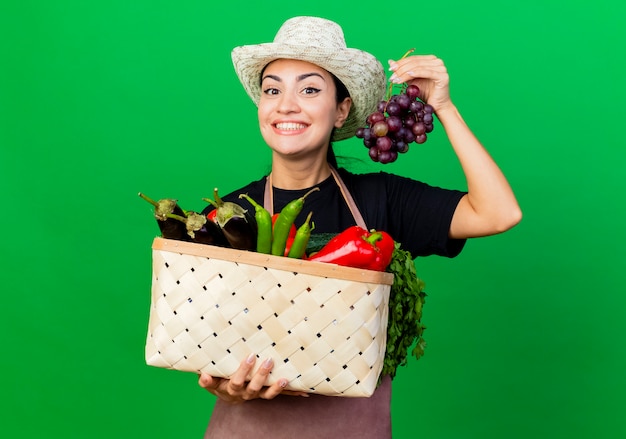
{"x": 284, "y": 221}
{"x": 301, "y": 240}
{"x": 264, "y": 224}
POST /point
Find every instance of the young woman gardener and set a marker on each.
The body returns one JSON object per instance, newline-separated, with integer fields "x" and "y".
{"x": 310, "y": 90}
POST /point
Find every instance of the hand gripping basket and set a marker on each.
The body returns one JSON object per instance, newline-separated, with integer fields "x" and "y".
{"x": 324, "y": 325}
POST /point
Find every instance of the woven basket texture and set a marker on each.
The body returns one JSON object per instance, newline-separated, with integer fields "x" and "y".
{"x": 324, "y": 326}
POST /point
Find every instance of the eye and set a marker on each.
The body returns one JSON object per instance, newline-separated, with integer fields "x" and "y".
{"x": 270, "y": 91}
{"x": 310, "y": 90}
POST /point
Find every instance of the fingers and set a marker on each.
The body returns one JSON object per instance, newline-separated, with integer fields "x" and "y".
{"x": 215, "y": 386}
{"x": 205, "y": 381}
{"x": 258, "y": 380}
{"x": 244, "y": 386}
{"x": 418, "y": 66}
{"x": 257, "y": 389}
{"x": 240, "y": 377}
{"x": 423, "y": 59}
{"x": 428, "y": 73}
{"x": 275, "y": 389}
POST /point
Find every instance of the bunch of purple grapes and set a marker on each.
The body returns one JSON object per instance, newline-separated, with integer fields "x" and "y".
{"x": 397, "y": 122}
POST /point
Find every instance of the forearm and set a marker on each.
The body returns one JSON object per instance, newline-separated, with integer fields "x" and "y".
{"x": 490, "y": 206}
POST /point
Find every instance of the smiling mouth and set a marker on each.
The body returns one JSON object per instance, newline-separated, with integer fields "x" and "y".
{"x": 290, "y": 126}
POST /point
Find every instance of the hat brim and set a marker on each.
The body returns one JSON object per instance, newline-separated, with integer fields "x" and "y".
{"x": 361, "y": 73}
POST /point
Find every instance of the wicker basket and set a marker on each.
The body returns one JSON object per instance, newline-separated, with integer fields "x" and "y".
{"x": 324, "y": 325}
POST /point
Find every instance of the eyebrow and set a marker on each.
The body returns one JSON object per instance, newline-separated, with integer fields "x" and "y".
{"x": 299, "y": 78}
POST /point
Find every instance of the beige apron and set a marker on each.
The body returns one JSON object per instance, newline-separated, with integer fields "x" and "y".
{"x": 318, "y": 416}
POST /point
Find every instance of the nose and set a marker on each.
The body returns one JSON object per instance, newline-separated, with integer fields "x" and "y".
{"x": 288, "y": 103}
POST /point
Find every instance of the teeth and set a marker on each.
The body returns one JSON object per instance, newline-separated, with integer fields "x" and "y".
{"x": 290, "y": 126}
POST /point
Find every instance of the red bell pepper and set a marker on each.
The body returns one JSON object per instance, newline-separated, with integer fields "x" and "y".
{"x": 358, "y": 248}
{"x": 386, "y": 246}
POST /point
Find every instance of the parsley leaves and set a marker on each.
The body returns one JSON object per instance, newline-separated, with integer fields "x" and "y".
{"x": 406, "y": 300}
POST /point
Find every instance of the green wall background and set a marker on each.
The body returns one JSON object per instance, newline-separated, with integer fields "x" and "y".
{"x": 100, "y": 100}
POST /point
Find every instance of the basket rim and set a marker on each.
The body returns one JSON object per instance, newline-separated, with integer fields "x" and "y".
{"x": 323, "y": 269}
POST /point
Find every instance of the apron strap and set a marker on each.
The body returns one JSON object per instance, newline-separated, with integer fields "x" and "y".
{"x": 268, "y": 198}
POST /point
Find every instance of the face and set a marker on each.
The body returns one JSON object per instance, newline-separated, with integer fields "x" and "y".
{"x": 298, "y": 108}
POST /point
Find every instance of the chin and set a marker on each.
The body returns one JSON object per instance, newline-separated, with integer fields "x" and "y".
{"x": 287, "y": 148}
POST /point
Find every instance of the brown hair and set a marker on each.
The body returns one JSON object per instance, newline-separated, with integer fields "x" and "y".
{"x": 341, "y": 94}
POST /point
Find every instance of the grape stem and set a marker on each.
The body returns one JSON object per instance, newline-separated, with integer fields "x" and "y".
{"x": 391, "y": 84}
{"x": 408, "y": 52}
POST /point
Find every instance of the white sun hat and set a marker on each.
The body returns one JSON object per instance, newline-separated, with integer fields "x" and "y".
{"x": 320, "y": 42}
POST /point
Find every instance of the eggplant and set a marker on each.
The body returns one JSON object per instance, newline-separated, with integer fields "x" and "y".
{"x": 210, "y": 233}
{"x": 170, "y": 228}
{"x": 237, "y": 224}
{"x": 200, "y": 229}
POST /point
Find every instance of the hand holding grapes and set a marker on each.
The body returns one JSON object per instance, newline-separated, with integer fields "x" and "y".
{"x": 429, "y": 74}
{"x": 406, "y": 117}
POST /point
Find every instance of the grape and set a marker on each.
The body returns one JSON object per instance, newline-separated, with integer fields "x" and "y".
{"x": 394, "y": 109}
{"x": 373, "y": 152}
{"x": 384, "y": 143}
{"x": 394, "y": 123}
{"x": 402, "y": 133}
{"x": 398, "y": 121}
{"x": 416, "y": 106}
{"x": 402, "y": 147}
{"x": 404, "y": 101}
{"x": 384, "y": 157}
{"x": 412, "y": 91}
{"x": 419, "y": 128}
{"x": 367, "y": 133}
{"x": 375, "y": 117}
{"x": 409, "y": 122}
{"x": 387, "y": 156}
{"x": 420, "y": 139}
{"x": 369, "y": 142}
{"x": 380, "y": 129}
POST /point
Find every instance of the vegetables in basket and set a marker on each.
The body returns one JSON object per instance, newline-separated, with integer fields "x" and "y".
{"x": 264, "y": 226}
{"x": 170, "y": 228}
{"x": 290, "y": 237}
{"x": 277, "y": 234}
{"x": 406, "y": 301}
{"x": 238, "y": 226}
{"x": 284, "y": 222}
{"x": 201, "y": 230}
{"x": 407, "y": 297}
{"x": 301, "y": 239}
{"x": 230, "y": 225}
{"x": 358, "y": 248}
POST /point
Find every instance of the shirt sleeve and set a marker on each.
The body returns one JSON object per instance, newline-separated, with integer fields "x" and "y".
{"x": 414, "y": 213}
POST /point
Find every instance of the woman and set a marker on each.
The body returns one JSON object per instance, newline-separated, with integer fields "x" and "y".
{"x": 310, "y": 90}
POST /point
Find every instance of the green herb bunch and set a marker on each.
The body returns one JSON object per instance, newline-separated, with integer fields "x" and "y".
{"x": 406, "y": 300}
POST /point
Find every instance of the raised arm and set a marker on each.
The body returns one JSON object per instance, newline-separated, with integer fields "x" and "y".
{"x": 490, "y": 206}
